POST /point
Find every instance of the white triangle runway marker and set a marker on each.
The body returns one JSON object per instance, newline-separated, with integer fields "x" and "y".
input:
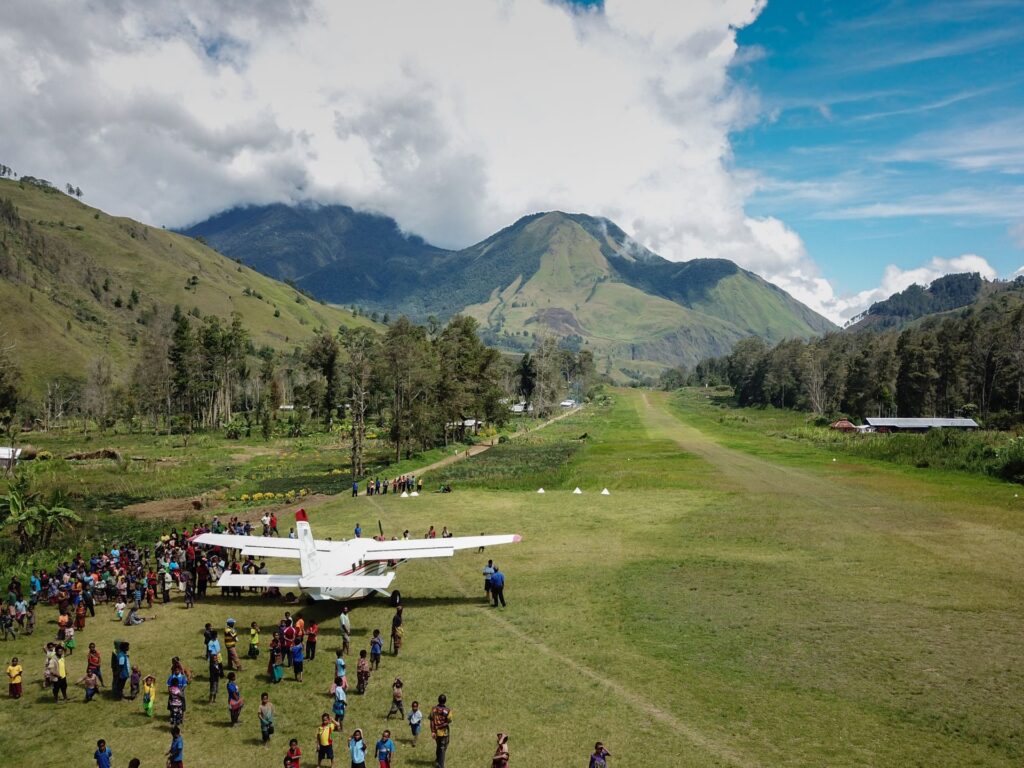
{"x": 415, "y": 493}
{"x": 405, "y": 495}
{"x": 577, "y": 490}
{"x": 605, "y": 492}
{"x": 540, "y": 490}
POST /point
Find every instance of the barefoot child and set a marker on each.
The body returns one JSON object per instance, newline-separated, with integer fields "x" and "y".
{"x": 376, "y": 648}
{"x": 362, "y": 673}
{"x": 415, "y": 721}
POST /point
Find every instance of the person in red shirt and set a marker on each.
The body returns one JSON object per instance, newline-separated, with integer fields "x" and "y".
{"x": 293, "y": 757}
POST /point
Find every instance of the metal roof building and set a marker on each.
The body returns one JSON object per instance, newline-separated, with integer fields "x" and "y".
{"x": 920, "y": 425}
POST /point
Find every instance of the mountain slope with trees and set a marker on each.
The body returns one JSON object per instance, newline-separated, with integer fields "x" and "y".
{"x": 578, "y": 277}
{"x": 79, "y": 286}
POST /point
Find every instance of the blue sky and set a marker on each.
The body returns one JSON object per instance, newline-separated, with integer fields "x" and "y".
{"x": 888, "y": 132}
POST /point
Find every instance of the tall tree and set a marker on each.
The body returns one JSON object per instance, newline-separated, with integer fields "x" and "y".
{"x": 322, "y": 358}
{"x": 361, "y": 348}
{"x": 408, "y": 373}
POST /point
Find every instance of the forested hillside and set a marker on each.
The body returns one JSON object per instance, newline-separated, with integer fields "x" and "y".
{"x": 943, "y": 294}
{"x": 967, "y": 361}
{"x": 78, "y": 285}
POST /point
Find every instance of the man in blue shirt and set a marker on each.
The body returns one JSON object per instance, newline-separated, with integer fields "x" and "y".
{"x": 176, "y": 754}
{"x": 358, "y": 531}
{"x": 498, "y": 587}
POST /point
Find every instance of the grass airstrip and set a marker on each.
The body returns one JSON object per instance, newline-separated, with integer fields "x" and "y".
{"x": 738, "y": 599}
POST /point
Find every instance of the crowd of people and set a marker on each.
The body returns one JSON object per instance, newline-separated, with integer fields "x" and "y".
{"x": 401, "y": 484}
{"x": 128, "y": 577}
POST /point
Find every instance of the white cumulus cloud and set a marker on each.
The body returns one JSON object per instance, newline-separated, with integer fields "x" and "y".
{"x": 455, "y": 117}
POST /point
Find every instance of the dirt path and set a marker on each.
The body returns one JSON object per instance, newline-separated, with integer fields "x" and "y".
{"x": 636, "y": 699}
{"x": 739, "y": 470}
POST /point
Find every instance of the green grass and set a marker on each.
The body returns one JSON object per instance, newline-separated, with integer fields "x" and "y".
{"x": 722, "y": 606}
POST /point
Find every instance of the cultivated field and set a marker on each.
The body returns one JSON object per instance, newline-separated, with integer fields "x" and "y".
{"x": 737, "y": 600}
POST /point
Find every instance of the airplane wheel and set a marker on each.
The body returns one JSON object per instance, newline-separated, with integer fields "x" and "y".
{"x": 396, "y": 598}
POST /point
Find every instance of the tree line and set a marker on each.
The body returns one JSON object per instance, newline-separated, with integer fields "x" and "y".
{"x": 416, "y": 385}
{"x": 970, "y": 362}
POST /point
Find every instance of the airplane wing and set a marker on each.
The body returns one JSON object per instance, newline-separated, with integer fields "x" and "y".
{"x": 261, "y": 546}
{"x": 295, "y": 581}
{"x": 409, "y": 549}
{"x": 259, "y": 580}
{"x": 349, "y": 582}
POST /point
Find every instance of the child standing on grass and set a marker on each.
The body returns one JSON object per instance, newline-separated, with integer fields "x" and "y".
{"x": 14, "y": 675}
{"x": 176, "y": 753}
{"x": 254, "y": 640}
{"x": 339, "y": 670}
{"x": 376, "y": 648}
{"x": 297, "y": 660}
{"x": 102, "y": 754}
{"x": 600, "y": 757}
{"x": 148, "y": 695}
{"x": 415, "y": 721}
{"x": 340, "y": 703}
{"x": 357, "y": 749}
{"x": 190, "y": 594}
{"x": 384, "y": 749}
{"x": 325, "y": 741}
{"x": 293, "y": 757}
{"x": 397, "y": 708}
{"x": 311, "y": 634}
{"x": 266, "y": 716}
{"x": 235, "y": 701}
{"x": 91, "y": 683}
{"x": 362, "y": 673}
{"x": 501, "y": 757}
{"x": 119, "y": 607}
{"x": 176, "y": 705}
{"x": 134, "y": 682}
{"x": 216, "y": 673}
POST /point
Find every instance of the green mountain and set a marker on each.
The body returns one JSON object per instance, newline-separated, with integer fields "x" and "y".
{"x": 576, "y": 276}
{"x": 77, "y": 284}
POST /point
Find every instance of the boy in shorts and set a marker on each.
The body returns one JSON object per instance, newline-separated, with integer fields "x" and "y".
{"x": 415, "y": 721}
{"x": 325, "y": 741}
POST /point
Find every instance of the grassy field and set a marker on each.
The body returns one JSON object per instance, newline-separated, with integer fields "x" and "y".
{"x": 730, "y": 603}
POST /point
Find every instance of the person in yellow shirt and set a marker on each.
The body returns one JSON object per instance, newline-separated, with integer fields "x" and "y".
{"x": 254, "y": 640}
{"x": 14, "y": 671}
{"x": 231, "y": 645}
{"x": 325, "y": 741}
{"x": 148, "y": 695}
{"x": 60, "y": 682}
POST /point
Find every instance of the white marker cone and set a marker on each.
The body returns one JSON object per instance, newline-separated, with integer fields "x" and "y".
{"x": 540, "y": 490}
{"x": 605, "y": 492}
{"x": 833, "y": 459}
{"x": 577, "y": 490}
{"x": 405, "y": 495}
{"x": 415, "y": 493}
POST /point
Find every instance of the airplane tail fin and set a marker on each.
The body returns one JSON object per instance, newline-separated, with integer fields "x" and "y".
{"x": 308, "y": 559}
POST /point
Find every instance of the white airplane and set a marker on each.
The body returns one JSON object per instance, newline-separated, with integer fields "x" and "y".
{"x": 338, "y": 570}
